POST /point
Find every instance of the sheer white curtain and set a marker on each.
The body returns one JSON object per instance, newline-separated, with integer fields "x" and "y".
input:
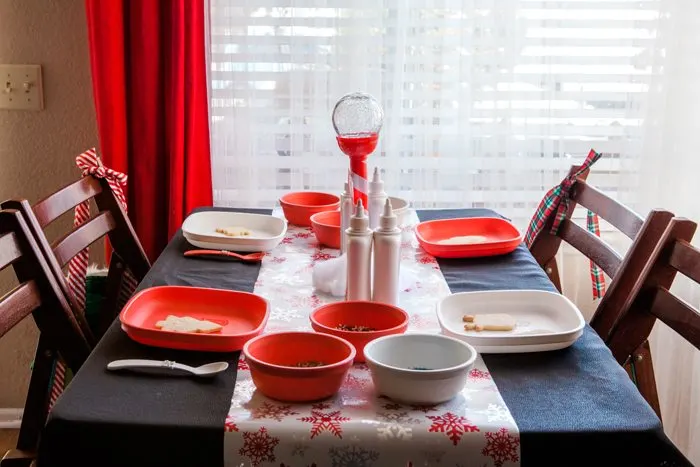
{"x": 669, "y": 171}
{"x": 487, "y": 104}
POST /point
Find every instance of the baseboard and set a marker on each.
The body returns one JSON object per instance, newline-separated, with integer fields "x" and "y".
{"x": 10, "y": 418}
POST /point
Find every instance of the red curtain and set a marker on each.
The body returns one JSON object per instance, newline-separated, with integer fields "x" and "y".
{"x": 150, "y": 88}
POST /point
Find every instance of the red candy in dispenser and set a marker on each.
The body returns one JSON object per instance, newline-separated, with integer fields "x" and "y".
{"x": 357, "y": 119}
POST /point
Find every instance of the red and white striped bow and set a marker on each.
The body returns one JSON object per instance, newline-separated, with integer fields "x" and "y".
{"x": 90, "y": 165}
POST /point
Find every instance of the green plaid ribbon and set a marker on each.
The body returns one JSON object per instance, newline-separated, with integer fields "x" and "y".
{"x": 556, "y": 203}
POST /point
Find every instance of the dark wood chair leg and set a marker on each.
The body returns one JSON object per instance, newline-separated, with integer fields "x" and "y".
{"x": 644, "y": 376}
{"x": 35, "y": 410}
{"x": 37, "y": 407}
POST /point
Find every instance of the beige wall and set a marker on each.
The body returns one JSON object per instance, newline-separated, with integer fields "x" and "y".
{"x": 37, "y": 149}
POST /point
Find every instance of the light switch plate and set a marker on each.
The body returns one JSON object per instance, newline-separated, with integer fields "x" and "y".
{"x": 21, "y": 87}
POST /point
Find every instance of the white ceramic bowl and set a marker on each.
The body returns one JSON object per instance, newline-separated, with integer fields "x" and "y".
{"x": 400, "y": 207}
{"x": 199, "y": 229}
{"x": 421, "y": 369}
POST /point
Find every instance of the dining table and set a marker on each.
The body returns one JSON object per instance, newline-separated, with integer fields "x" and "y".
{"x": 573, "y": 406}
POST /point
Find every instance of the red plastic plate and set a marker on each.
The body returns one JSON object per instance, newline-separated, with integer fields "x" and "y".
{"x": 502, "y": 237}
{"x": 243, "y": 316}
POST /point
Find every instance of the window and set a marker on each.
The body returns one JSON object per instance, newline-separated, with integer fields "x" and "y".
{"x": 487, "y": 102}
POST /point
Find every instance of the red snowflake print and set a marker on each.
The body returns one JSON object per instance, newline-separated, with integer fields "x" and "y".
{"x": 424, "y": 408}
{"x": 361, "y": 367}
{"x": 272, "y": 411}
{"x": 314, "y": 301}
{"x": 321, "y": 256}
{"x": 329, "y": 422}
{"x": 406, "y": 244}
{"x": 313, "y": 244}
{"x": 478, "y": 374}
{"x": 321, "y": 405}
{"x": 278, "y": 260}
{"x": 243, "y": 365}
{"x": 427, "y": 260}
{"x": 259, "y": 446}
{"x": 229, "y": 424}
{"x": 306, "y": 234}
{"x": 452, "y": 425}
{"x": 287, "y": 241}
{"x": 501, "y": 446}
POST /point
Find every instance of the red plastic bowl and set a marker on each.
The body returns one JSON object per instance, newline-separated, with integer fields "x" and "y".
{"x": 502, "y": 237}
{"x": 298, "y": 207}
{"x": 326, "y": 227}
{"x": 272, "y": 360}
{"x": 386, "y": 319}
{"x": 243, "y": 316}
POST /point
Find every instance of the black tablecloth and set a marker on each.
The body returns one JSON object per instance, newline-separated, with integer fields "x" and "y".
{"x": 574, "y": 406}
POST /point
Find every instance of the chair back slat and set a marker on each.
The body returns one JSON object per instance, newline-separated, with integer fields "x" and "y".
{"x": 635, "y": 325}
{"x": 60, "y": 330}
{"x": 17, "y": 305}
{"x": 128, "y": 256}
{"x": 82, "y": 237}
{"x": 676, "y": 314}
{"x": 685, "y": 258}
{"x": 626, "y": 284}
{"x": 53, "y": 316}
{"x": 617, "y": 214}
{"x": 65, "y": 199}
{"x": 591, "y": 246}
{"x": 9, "y": 250}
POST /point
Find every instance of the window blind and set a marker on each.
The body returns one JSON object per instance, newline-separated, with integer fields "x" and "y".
{"x": 487, "y": 102}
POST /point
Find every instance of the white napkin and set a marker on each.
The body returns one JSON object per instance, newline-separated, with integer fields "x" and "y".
{"x": 331, "y": 276}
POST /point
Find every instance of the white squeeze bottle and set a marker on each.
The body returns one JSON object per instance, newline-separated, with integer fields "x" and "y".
{"x": 376, "y": 197}
{"x": 359, "y": 256}
{"x": 387, "y": 258}
{"x": 345, "y": 211}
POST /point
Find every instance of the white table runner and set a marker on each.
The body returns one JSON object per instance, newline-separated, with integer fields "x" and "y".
{"x": 356, "y": 428}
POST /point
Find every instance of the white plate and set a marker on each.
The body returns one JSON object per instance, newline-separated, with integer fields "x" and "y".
{"x": 526, "y": 348}
{"x": 267, "y": 231}
{"x": 544, "y": 320}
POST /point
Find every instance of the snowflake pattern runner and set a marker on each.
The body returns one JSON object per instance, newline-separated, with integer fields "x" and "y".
{"x": 357, "y": 428}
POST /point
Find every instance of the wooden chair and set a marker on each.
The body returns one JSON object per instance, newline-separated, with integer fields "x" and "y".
{"x": 60, "y": 331}
{"x": 624, "y": 272}
{"x": 653, "y": 300}
{"x": 110, "y": 221}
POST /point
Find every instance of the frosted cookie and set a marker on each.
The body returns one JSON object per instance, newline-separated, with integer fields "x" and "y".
{"x": 234, "y": 231}
{"x": 489, "y": 322}
{"x": 464, "y": 240}
{"x": 188, "y": 324}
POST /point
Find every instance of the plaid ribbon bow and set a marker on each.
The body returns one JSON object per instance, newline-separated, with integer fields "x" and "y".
{"x": 556, "y": 202}
{"x": 90, "y": 165}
